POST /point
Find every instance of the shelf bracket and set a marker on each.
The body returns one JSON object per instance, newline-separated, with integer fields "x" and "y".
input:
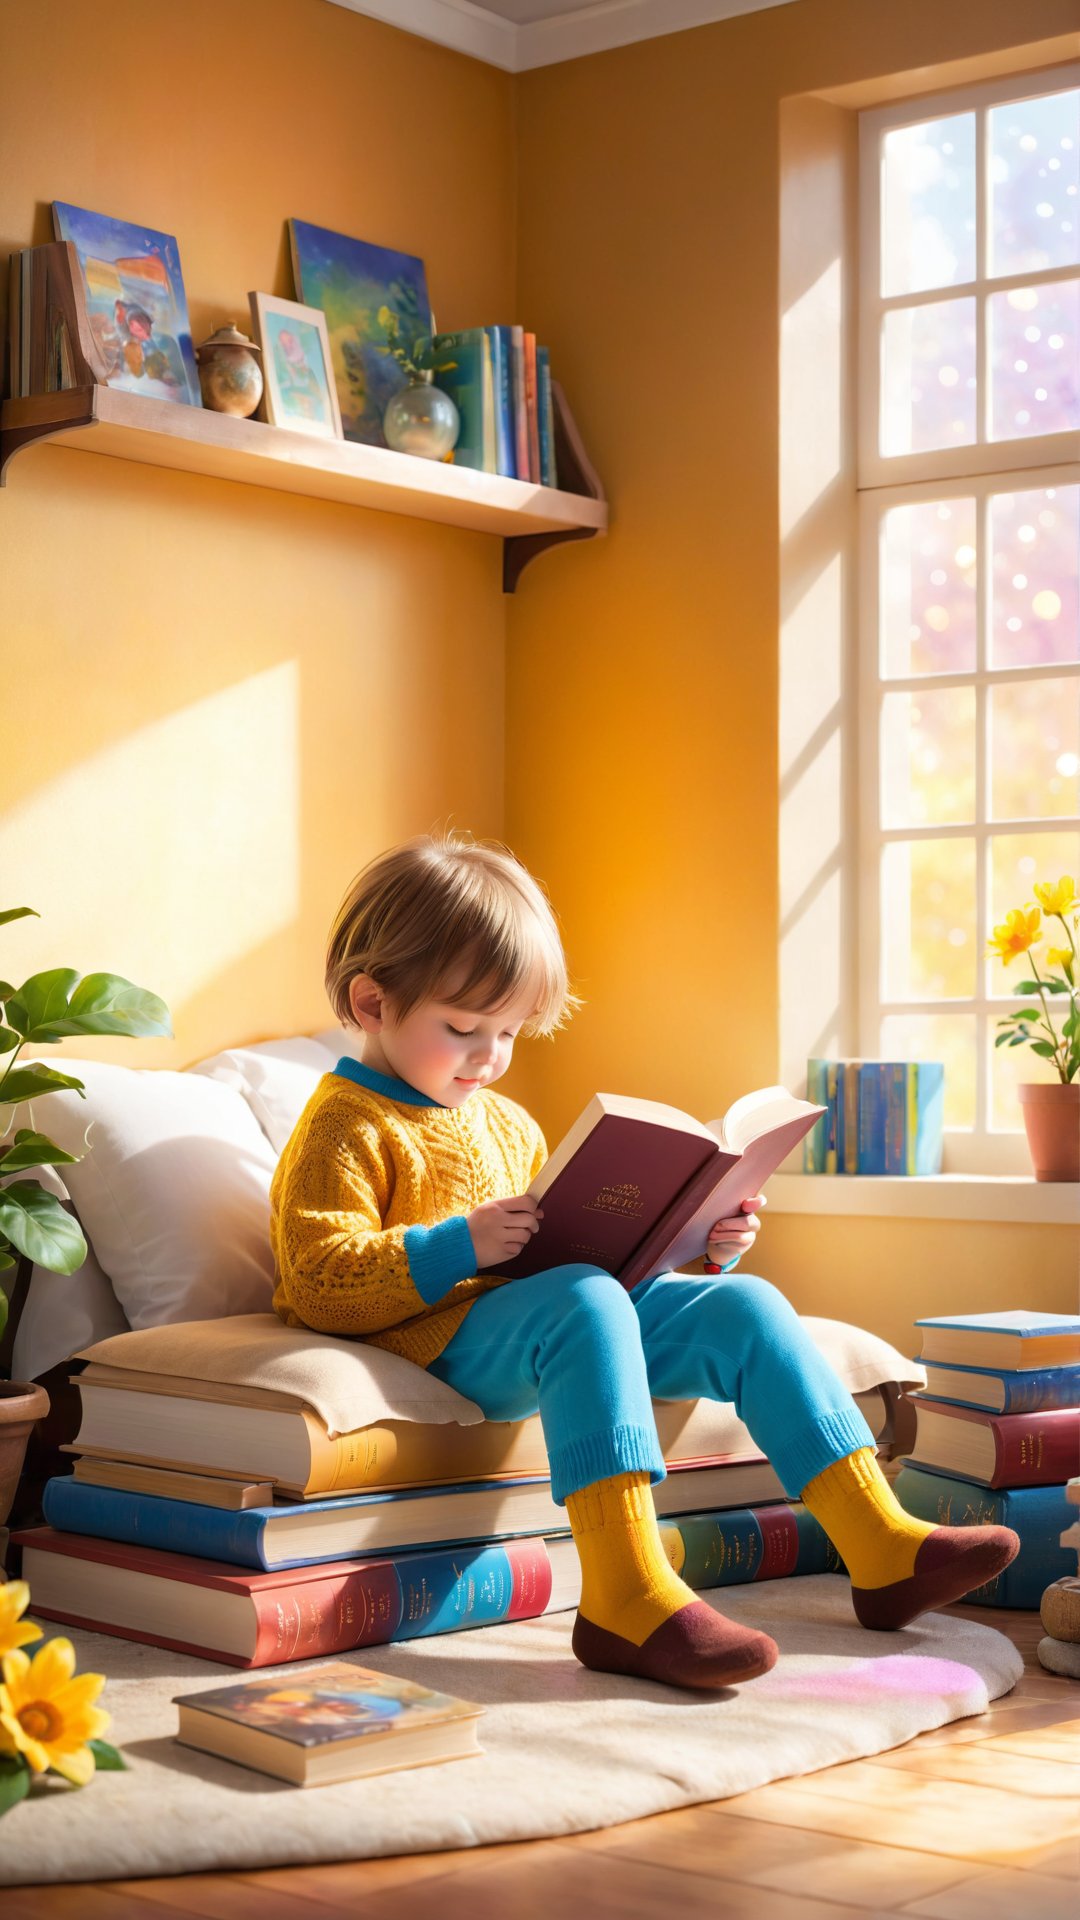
{"x": 576, "y": 475}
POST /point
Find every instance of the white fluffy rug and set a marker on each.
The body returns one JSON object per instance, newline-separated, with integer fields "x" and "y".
{"x": 565, "y": 1750}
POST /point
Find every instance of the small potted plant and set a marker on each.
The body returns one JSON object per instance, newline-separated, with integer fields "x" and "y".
{"x": 1051, "y": 1108}
{"x": 34, "y": 1225}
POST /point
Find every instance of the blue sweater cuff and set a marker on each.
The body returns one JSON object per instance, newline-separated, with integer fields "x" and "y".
{"x": 439, "y": 1257}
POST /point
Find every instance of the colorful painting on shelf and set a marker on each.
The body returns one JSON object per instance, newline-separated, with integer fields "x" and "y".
{"x": 373, "y": 299}
{"x": 297, "y": 369}
{"x": 136, "y": 304}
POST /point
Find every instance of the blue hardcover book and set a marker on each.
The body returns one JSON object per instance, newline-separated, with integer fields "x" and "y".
{"x": 505, "y": 461}
{"x": 749, "y": 1543}
{"x": 458, "y": 363}
{"x": 545, "y": 409}
{"x": 815, "y": 1143}
{"x": 894, "y": 1075}
{"x": 302, "y": 1534}
{"x": 871, "y": 1117}
{"x": 1038, "y": 1514}
{"x": 1034, "y": 1390}
{"x": 926, "y": 1116}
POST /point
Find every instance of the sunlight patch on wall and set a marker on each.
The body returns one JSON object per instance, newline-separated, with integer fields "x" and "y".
{"x": 171, "y": 854}
{"x": 811, "y": 386}
{"x": 811, "y": 818}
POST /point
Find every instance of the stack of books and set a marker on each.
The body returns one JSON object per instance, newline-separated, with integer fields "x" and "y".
{"x": 500, "y": 381}
{"x": 228, "y": 1522}
{"x": 998, "y": 1439}
{"x": 881, "y": 1116}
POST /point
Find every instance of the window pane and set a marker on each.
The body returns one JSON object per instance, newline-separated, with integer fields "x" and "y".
{"x": 1035, "y": 538}
{"x": 1035, "y": 749}
{"x": 948, "y": 1037}
{"x": 928, "y": 757}
{"x": 928, "y": 919}
{"x": 928, "y": 206}
{"x": 1017, "y": 861}
{"x": 1035, "y": 360}
{"x": 928, "y": 377}
{"x": 928, "y": 588}
{"x": 1034, "y": 170}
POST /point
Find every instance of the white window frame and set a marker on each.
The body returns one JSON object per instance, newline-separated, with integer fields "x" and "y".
{"x": 885, "y": 481}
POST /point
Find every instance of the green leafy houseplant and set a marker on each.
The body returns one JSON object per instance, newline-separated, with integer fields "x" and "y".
{"x": 48, "y": 1007}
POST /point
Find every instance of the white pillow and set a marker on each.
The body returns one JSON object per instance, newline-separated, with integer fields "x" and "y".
{"x": 276, "y": 1077}
{"x": 62, "y": 1311}
{"x": 174, "y": 1192}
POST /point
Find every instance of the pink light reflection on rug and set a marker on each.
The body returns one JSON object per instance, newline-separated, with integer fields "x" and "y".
{"x": 907, "y": 1673}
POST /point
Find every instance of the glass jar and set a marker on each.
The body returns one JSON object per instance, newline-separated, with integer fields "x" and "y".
{"x": 422, "y": 419}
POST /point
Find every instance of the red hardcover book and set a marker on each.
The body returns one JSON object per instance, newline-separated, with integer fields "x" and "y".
{"x": 997, "y": 1449}
{"x": 635, "y": 1185}
{"x": 532, "y": 402}
{"x": 259, "y": 1619}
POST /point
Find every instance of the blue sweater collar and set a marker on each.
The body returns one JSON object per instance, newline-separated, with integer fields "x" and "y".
{"x": 390, "y": 1089}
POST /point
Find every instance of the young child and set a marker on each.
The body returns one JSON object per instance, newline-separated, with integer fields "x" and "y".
{"x": 406, "y": 1176}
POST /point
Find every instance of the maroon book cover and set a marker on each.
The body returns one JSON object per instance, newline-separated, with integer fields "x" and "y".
{"x": 779, "y": 1542}
{"x": 611, "y": 1194}
{"x": 1030, "y": 1449}
{"x": 299, "y": 1612}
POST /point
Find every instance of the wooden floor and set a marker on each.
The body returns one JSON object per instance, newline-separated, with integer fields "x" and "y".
{"x": 979, "y": 1821}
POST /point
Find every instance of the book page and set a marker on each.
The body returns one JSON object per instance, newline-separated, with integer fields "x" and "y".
{"x": 739, "y": 1178}
{"x": 759, "y": 1113}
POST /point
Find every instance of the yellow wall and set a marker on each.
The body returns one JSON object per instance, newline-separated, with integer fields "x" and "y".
{"x": 642, "y": 671}
{"x": 218, "y": 702}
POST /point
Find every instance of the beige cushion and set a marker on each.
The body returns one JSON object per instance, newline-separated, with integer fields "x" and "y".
{"x": 351, "y": 1385}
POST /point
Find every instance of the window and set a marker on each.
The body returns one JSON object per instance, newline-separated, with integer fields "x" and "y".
{"x": 969, "y": 508}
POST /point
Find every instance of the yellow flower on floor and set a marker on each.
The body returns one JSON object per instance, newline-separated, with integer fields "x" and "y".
{"x": 47, "y": 1714}
{"x": 1057, "y": 898}
{"x": 1018, "y": 932}
{"x": 14, "y": 1600}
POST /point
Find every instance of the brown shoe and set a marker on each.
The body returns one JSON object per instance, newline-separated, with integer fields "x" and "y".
{"x": 694, "y": 1647}
{"x": 949, "y": 1563}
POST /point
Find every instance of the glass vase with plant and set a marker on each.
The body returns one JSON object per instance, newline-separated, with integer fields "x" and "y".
{"x": 1050, "y": 1026}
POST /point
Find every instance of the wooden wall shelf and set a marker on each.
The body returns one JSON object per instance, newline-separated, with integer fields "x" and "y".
{"x": 161, "y": 433}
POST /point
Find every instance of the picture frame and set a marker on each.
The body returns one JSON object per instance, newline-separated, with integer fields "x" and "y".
{"x": 135, "y": 303}
{"x": 299, "y": 390}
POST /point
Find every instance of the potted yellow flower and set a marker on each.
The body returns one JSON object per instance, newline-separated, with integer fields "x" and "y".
{"x": 48, "y": 1720}
{"x": 1051, "y": 1108}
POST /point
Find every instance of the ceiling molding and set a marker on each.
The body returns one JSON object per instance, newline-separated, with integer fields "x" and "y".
{"x": 485, "y": 35}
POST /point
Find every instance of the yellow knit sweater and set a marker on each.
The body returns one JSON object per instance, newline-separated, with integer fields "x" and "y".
{"x": 368, "y": 1202}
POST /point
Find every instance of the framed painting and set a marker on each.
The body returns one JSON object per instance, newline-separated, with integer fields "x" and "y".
{"x": 135, "y": 303}
{"x": 375, "y": 302}
{"x": 298, "y": 377}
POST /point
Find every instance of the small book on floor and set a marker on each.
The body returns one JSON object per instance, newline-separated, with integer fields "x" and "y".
{"x": 331, "y": 1723}
{"x": 635, "y": 1186}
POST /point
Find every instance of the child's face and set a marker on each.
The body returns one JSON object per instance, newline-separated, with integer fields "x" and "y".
{"x": 445, "y": 1051}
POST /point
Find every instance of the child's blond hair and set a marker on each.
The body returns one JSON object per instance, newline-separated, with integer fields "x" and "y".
{"x": 446, "y": 917}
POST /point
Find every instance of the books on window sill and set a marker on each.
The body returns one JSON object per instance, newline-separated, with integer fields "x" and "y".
{"x": 251, "y": 1619}
{"x": 998, "y": 1438}
{"x": 500, "y": 381}
{"x": 882, "y": 1116}
{"x": 335, "y": 1722}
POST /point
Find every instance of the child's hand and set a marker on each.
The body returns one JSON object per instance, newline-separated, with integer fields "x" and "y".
{"x": 500, "y": 1228}
{"x": 732, "y": 1237}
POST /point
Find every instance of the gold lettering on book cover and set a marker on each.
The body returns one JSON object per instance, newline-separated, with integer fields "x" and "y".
{"x": 586, "y": 1252}
{"x": 623, "y": 1199}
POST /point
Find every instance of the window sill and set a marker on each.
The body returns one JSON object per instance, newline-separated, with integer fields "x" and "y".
{"x": 943, "y": 1196}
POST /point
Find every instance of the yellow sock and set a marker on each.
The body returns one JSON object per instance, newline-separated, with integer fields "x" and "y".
{"x": 875, "y": 1538}
{"x": 628, "y": 1585}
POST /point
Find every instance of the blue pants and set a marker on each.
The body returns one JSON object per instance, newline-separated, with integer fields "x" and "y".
{"x": 574, "y": 1344}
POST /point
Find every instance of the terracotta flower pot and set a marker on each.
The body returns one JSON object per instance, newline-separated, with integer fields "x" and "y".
{"x": 21, "y": 1406}
{"x": 1051, "y": 1110}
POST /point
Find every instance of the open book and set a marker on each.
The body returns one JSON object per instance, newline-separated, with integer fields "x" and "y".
{"x": 635, "y": 1185}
